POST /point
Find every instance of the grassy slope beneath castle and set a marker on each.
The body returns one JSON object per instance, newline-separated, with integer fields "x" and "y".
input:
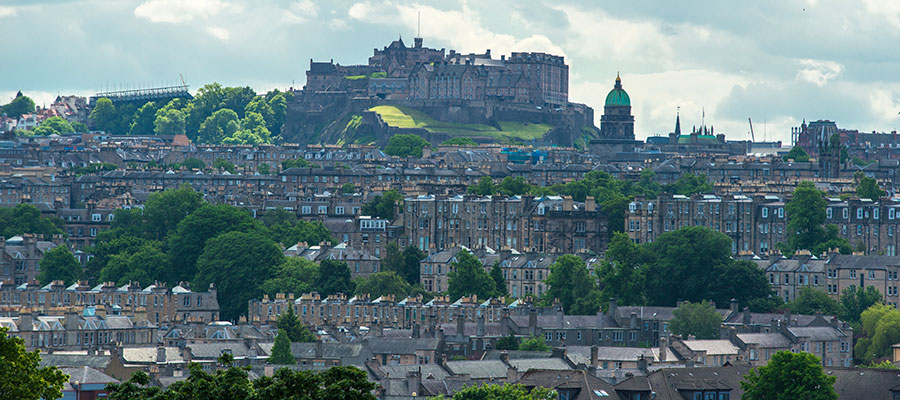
{"x": 403, "y": 117}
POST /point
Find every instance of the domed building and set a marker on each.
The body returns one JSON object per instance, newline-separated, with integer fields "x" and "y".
{"x": 617, "y": 121}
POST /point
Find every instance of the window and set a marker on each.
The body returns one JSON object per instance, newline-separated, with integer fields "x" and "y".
{"x": 306, "y": 210}
{"x": 765, "y": 212}
{"x": 859, "y": 213}
{"x": 828, "y": 213}
{"x": 96, "y": 217}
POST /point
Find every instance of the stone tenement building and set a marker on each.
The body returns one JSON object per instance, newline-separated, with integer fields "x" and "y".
{"x": 832, "y": 274}
{"x": 155, "y": 303}
{"x": 20, "y": 257}
{"x": 550, "y": 224}
{"x": 756, "y": 225}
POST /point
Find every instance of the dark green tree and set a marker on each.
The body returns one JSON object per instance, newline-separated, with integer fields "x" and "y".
{"x": 18, "y": 106}
{"x": 507, "y": 391}
{"x": 412, "y": 257}
{"x": 294, "y": 328}
{"x": 406, "y": 146}
{"x": 459, "y": 141}
{"x": 789, "y": 376}
{"x": 193, "y": 163}
{"x": 334, "y": 277}
{"x": 26, "y": 218}
{"x": 807, "y": 216}
{"x": 880, "y": 329}
{"x": 499, "y": 281}
{"x": 238, "y": 263}
{"x": 164, "y": 210}
{"x": 382, "y": 283}
{"x": 104, "y": 115}
{"x": 797, "y": 154}
{"x": 392, "y": 260}
{"x": 484, "y": 187}
{"x": 144, "y": 119}
{"x": 21, "y": 376}
{"x": 169, "y": 122}
{"x": 294, "y": 275}
{"x": 514, "y": 186}
{"x": 218, "y": 126}
{"x": 145, "y": 264}
{"x": 698, "y": 319}
{"x": 867, "y": 188}
{"x": 224, "y": 165}
{"x": 855, "y": 300}
{"x": 571, "y": 283}
{"x": 534, "y": 343}
{"x": 53, "y": 126}
{"x": 383, "y": 206}
{"x": 623, "y": 272}
{"x": 688, "y": 184}
{"x": 811, "y": 301}
{"x": 281, "y": 351}
{"x": 508, "y": 343}
{"x": 187, "y": 242}
{"x": 59, "y": 264}
{"x": 467, "y": 277}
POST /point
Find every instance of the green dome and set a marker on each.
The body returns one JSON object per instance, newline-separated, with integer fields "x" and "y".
{"x": 618, "y": 96}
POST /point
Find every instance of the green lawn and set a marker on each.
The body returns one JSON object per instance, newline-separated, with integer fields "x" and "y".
{"x": 403, "y": 117}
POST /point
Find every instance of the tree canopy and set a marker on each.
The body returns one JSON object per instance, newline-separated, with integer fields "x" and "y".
{"x": 382, "y": 206}
{"x": 467, "y": 277}
{"x": 26, "y": 218}
{"x": 806, "y": 229}
{"x": 698, "y": 319}
{"x": 293, "y": 327}
{"x": 59, "y": 264}
{"x": 281, "y": 350}
{"x": 334, "y": 277}
{"x": 238, "y": 263}
{"x": 21, "y": 376}
{"x": 789, "y": 376}
{"x": 383, "y": 283}
{"x": 571, "y": 283}
{"x": 867, "y": 188}
{"x": 811, "y": 301}
{"x": 696, "y": 257}
{"x": 18, "y": 106}
{"x": 880, "y": 328}
{"x": 797, "y": 154}
{"x": 406, "y": 146}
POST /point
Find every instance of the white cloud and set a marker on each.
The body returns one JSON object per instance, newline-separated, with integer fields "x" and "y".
{"x": 301, "y": 11}
{"x": 218, "y": 33}
{"x": 338, "y": 24}
{"x": 887, "y": 9}
{"x": 885, "y": 103}
{"x": 819, "y": 72}
{"x": 461, "y": 28}
{"x": 7, "y": 12}
{"x": 181, "y": 11}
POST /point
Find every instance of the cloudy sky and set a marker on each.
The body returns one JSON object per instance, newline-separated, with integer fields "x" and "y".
{"x": 777, "y": 61}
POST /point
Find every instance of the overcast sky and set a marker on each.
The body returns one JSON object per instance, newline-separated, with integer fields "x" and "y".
{"x": 777, "y": 61}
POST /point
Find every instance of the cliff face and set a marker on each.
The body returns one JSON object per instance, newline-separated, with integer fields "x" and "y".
{"x": 337, "y": 118}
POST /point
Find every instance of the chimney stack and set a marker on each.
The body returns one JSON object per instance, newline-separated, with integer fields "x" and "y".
{"x": 595, "y": 355}
{"x": 480, "y": 325}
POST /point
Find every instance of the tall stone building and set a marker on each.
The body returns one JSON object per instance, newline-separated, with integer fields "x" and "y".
{"x": 616, "y": 124}
{"x": 617, "y": 121}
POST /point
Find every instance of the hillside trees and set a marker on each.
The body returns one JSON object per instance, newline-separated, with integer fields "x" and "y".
{"x": 21, "y": 376}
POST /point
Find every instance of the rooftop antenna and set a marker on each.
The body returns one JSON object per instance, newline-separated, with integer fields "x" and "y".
{"x": 419, "y": 24}
{"x": 703, "y": 116}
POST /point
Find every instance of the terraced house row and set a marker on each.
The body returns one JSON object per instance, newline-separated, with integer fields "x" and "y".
{"x": 756, "y": 224}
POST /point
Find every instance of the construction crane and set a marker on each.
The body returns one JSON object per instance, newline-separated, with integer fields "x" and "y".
{"x": 752, "y": 137}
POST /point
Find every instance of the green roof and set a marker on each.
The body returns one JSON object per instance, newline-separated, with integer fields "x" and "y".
{"x": 618, "y": 96}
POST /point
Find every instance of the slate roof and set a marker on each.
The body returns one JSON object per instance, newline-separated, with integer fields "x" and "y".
{"x": 712, "y": 347}
{"x": 526, "y": 364}
{"x": 589, "y": 387}
{"x": 667, "y": 382}
{"x": 401, "y": 346}
{"x": 479, "y": 369}
{"x": 87, "y": 375}
{"x": 765, "y": 340}
{"x": 865, "y": 383}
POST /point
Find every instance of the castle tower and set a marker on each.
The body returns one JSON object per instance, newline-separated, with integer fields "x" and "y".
{"x": 617, "y": 121}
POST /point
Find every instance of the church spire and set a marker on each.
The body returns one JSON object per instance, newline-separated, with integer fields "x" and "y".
{"x": 678, "y": 121}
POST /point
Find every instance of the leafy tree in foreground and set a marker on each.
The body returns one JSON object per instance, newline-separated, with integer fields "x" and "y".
{"x": 855, "y": 300}
{"x": 237, "y": 263}
{"x": 534, "y": 343}
{"x": 467, "y": 277}
{"x": 572, "y": 284}
{"x": 698, "y": 319}
{"x": 164, "y": 210}
{"x": 59, "y": 264}
{"x": 880, "y": 330}
{"x": 789, "y": 376}
{"x": 811, "y": 301}
{"x": 506, "y": 391}
{"x": 21, "y": 376}
{"x": 281, "y": 350}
